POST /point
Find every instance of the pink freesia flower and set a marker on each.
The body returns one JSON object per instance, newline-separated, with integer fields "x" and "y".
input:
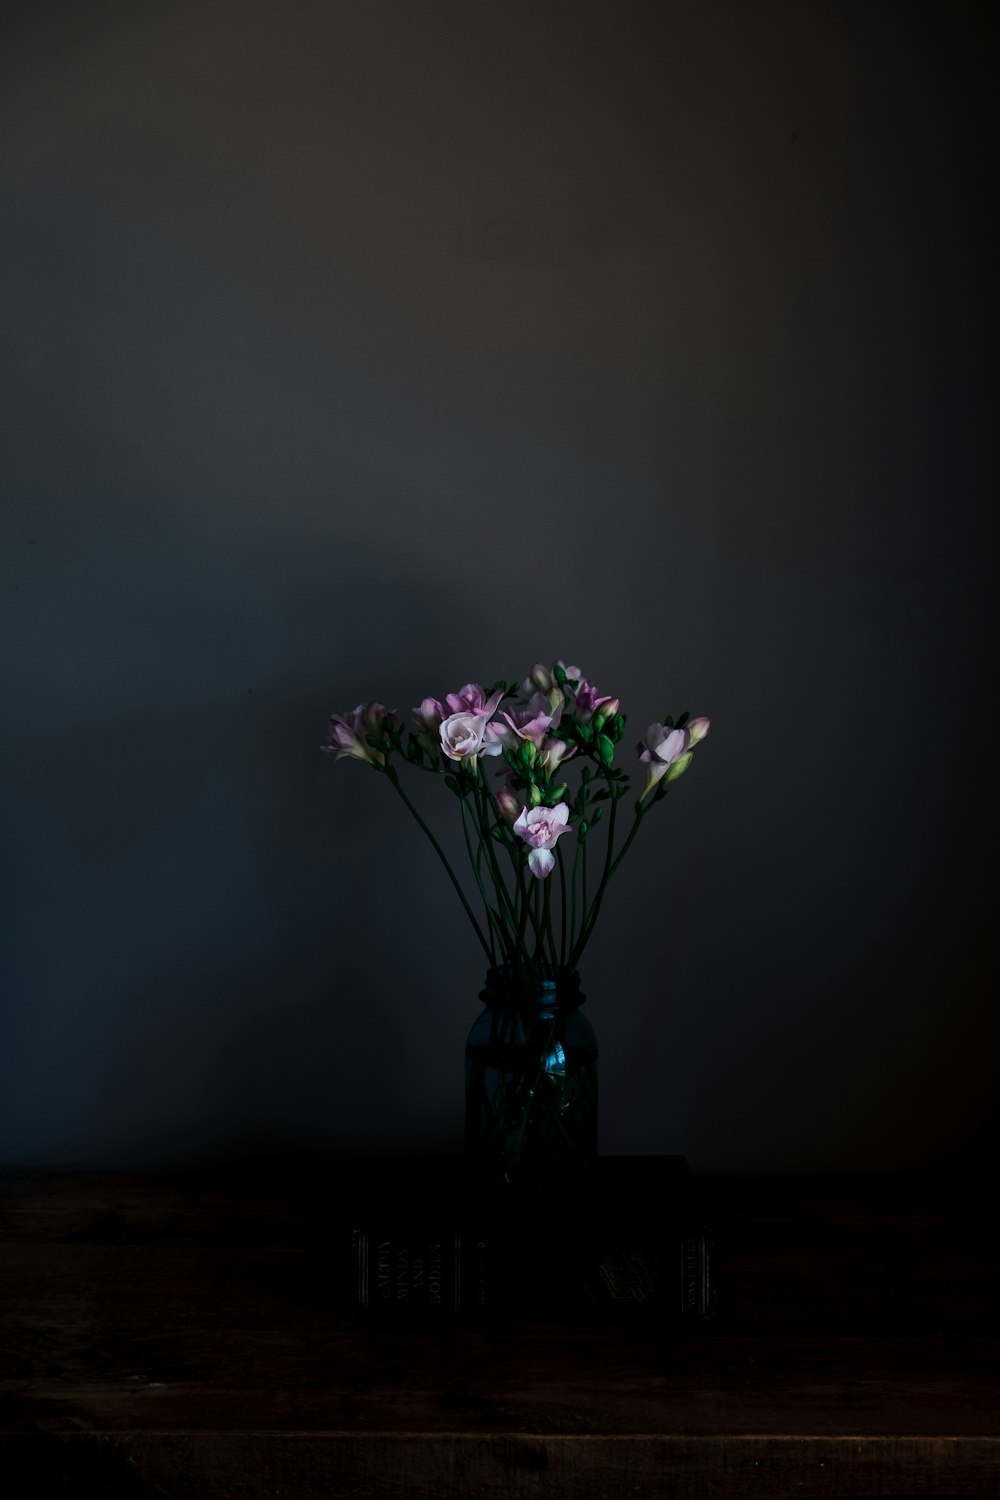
{"x": 588, "y": 701}
{"x": 534, "y": 722}
{"x": 573, "y": 674}
{"x": 553, "y": 752}
{"x": 661, "y": 748}
{"x": 540, "y": 827}
{"x": 348, "y": 733}
{"x": 697, "y": 730}
{"x": 428, "y": 715}
{"x": 472, "y": 700}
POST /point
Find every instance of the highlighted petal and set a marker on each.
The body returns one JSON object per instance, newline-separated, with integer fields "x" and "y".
{"x": 540, "y": 862}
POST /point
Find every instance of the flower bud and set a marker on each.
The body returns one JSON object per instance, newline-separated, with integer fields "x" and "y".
{"x": 697, "y": 730}
{"x": 534, "y": 794}
{"x": 508, "y": 804}
{"x": 678, "y": 767}
{"x": 606, "y": 711}
{"x": 540, "y": 679}
{"x": 526, "y": 753}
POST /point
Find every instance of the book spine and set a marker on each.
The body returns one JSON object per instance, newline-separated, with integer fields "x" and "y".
{"x": 399, "y": 1273}
{"x": 460, "y": 1272}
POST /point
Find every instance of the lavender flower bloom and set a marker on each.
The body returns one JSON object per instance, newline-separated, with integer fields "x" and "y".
{"x": 348, "y": 733}
{"x": 540, "y": 827}
{"x": 588, "y": 701}
{"x": 428, "y": 715}
{"x": 472, "y": 700}
{"x": 553, "y": 752}
{"x": 661, "y": 749}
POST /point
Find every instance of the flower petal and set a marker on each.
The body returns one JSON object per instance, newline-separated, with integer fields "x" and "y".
{"x": 540, "y": 862}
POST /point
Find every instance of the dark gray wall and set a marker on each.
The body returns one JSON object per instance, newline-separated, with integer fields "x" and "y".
{"x": 359, "y": 349}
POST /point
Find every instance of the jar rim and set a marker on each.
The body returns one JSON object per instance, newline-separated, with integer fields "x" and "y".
{"x": 501, "y": 984}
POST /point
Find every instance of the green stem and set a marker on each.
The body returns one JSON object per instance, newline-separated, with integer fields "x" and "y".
{"x": 483, "y": 806}
{"x": 394, "y": 778}
{"x": 628, "y": 842}
{"x": 474, "y": 862}
{"x": 572, "y": 909}
{"x": 547, "y": 922}
{"x": 525, "y": 912}
{"x": 591, "y": 918}
{"x": 563, "y": 895}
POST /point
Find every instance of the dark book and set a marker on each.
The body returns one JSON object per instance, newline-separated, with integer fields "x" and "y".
{"x": 636, "y": 1242}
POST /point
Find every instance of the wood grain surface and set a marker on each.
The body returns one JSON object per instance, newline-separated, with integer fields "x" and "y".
{"x": 186, "y": 1334}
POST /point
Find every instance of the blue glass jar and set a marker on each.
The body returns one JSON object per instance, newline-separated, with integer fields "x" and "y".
{"x": 531, "y": 1087}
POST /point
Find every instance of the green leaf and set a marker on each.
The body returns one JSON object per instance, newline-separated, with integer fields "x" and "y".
{"x": 668, "y": 722}
{"x": 683, "y": 719}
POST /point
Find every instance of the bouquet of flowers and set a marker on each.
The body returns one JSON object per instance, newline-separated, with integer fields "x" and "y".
{"x": 537, "y": 900}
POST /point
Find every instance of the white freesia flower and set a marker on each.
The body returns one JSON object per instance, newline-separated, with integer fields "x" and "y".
{"x": 465, "y": 735}
{"x": 540, "y": 827}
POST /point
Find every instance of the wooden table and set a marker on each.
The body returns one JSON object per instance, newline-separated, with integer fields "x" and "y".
{"x": 179, "y": 1335}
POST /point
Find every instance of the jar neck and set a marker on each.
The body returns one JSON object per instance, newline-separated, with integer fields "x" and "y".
{"x": 505, "y": 990}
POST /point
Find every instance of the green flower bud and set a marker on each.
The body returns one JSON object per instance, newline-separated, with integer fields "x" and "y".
{"x": 526, "y": 753}
{"x": 535, "y": 795}
{"x": 606, "y": 711}
{"x": 679, "y": 766}
{"x": 605, "y": 750}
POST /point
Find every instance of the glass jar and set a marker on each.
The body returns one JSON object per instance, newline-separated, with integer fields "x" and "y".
{"x": 530, "y": 1087}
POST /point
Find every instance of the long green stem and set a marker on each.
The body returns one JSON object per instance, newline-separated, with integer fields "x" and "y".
{"x": 547, "y": 922}
{"x": 491, "y": 916}
{"x": 564, "y": 898}
{"x": 393, "y": 777}
{"x": 483, "y": 805}
{"x": 525, "y": 912}
{"x": 591, "y": 918}
{"x": 628, "y": 842}
{"x": 572, "y": 909}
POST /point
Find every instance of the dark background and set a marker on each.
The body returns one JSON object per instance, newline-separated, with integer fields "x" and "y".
{"x": 360, "y": 349}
